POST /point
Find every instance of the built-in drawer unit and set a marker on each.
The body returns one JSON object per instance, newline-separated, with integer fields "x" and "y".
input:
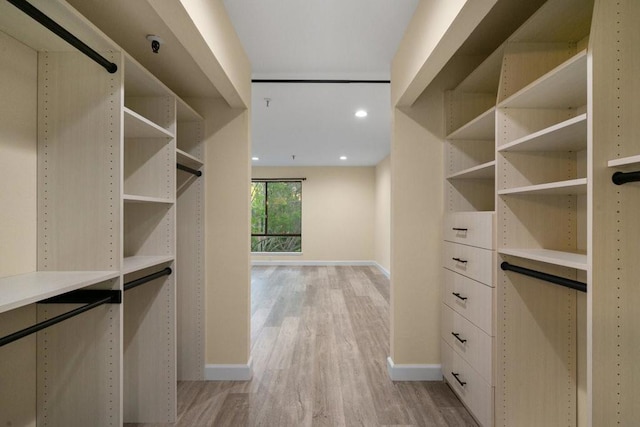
{"x": 470, "y": 228}
{"x": 469, "y": 341}
{"x": 471, "y": 299}
{"x": 474, "y": 391}
{"x": 472, "y": 262}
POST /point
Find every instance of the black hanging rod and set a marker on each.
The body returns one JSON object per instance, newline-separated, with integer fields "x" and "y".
{"x": 188, "y": 169}
{"x": 92, "y": 298}
{"x": 325, "y": 81}
{"x": 65, "y": 35}
{"x": 567, "y": 283}
{"x": 141, "y": 281}
{"x": 620, "y": 178}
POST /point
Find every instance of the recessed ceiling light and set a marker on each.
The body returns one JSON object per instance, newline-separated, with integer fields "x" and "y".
{"x": 343, "y": 157}
{"x": 361, "y": 113}
{"x": 255, "y": 158}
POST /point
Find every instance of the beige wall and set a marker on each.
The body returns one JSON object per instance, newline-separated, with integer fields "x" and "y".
{"x": 338, "y": 210}
{"x": 227, "y": 176}
{"x": 416, "y": 224}
{"x": 382, "y": 234}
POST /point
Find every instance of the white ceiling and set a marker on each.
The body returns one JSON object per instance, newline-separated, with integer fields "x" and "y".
{"x": 312, "y": 40}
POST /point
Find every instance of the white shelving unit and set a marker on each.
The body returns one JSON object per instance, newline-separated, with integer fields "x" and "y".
{"x": 564, "y": 259}
{"x": 96, "y": 153}
{"x": 563, "y": 188}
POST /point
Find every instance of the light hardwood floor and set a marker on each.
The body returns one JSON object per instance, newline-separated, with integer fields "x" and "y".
{"x": 320, "y": 340}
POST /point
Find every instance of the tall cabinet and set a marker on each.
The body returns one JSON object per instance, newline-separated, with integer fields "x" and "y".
{"x": 536, "y": 133}
{"x": 92, "y": 201}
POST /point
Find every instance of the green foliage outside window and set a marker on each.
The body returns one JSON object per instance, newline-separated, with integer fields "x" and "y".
{"x": 276, "y": 216}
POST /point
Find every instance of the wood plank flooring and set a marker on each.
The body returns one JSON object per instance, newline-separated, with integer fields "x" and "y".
{"x": 320, "y": 340}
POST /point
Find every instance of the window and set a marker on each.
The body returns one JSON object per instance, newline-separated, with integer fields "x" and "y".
{"x": 276, "y": 216}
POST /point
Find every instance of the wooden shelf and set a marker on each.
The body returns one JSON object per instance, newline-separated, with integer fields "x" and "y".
{"x": 624, "y": 161}
{"x": 130, "y": 198}
{"x": 185, "y": 113}
{"x": 482, "y": 127}
{"x": 570, "y": 135}
{"x": 141, "y": 83}
{"x": 24, "y": 289}
{"x": 564, "y": 259}
{"x": 483, "y": 171}
{"x": 187, "y": 159}
{"x": 136, "y": 126}
{"x": 136, "y": 263}
{"x": 486, "y": 77}
{"x": 573, "y": 186}
{"x": 563, "y": 87}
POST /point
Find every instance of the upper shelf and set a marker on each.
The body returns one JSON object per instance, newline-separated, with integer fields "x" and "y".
{"x": 24, "y": 289}
{"x": 135, "y": 263}
{"x": 139, "y": 82}
{"x": 570, "y": 135}
{"x": 187, "y": 159}
{"x": 133, "y": 198}
{"x": 564, "y": 259}
{"x": 136, "y": 126}
{"x": 486, "y": 77}
{"x": 482, "y": 127}
{"x": 570, "y": 187}
{"x": 563, "y": 87}
{"x": 624, "y": 161}
{"x": 186, "y": 113}
{"x": 483, "y": 171}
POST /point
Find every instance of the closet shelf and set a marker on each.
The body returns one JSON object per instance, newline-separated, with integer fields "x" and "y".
{"x": 564, "y": 259}
{"x": 187, "y": 159}
{"x": 130, "y": 198}
{"x": 482, "y": 127}
{"x": 570, "y": 135}
{"x": 483, "y": 171}
{"x": 139, "y": 82}
{"x": 24, "y": 289}
{"x": 486, "y": 77}
{"x": 136, "y": 126}
{"x": 185, "y": 113}
{"x": 624, "y": 161}
{"x": 136, "y": 263}
{"x": 573, "y": 186}
{"x": 563, "y": 87}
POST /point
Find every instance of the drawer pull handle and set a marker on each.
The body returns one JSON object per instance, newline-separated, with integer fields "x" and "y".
{"x": 462, "y": 383}
{"x": 458, "y": 337}
{"x": 457, "y": 295}
{"x": 464, "y": 261}
{"x": 459, "y": 229}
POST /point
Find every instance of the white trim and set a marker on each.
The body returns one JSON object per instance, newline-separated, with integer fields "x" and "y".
{"x": 384, "y": 270}
{"x": 228, "y": 372}
{"x": 413, "y": 372}
{"x": 305, "y": 263}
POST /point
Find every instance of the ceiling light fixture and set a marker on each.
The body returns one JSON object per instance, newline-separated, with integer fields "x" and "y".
{"x": 343, "y": 157}
{"x": 255, "y": 158}
{"x": 361, "y": 113}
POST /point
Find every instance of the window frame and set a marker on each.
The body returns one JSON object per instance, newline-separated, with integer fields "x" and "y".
{"x": 266, "y": 182}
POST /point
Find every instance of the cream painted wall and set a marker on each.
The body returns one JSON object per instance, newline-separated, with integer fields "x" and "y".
{"x": 338, "y": 210}
{"x": 416, "y": 229}
{"x": 227, "y": 175}
{"x": 382, "y": 234}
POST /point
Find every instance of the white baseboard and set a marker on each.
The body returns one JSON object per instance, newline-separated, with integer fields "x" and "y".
{"x": 384, "y": 270}
{"x": 228, "y": 372}
{"x": 413, "y": 372}
{"x": 307, "y": 263}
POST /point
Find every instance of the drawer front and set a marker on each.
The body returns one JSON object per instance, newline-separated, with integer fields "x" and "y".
{"x": 476, "y": 393}
{"x": 475, "y": 263}
{"x": 470, "y": 228}
{"x": 471, "y": 299}
{"x": 469, "y": 341}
